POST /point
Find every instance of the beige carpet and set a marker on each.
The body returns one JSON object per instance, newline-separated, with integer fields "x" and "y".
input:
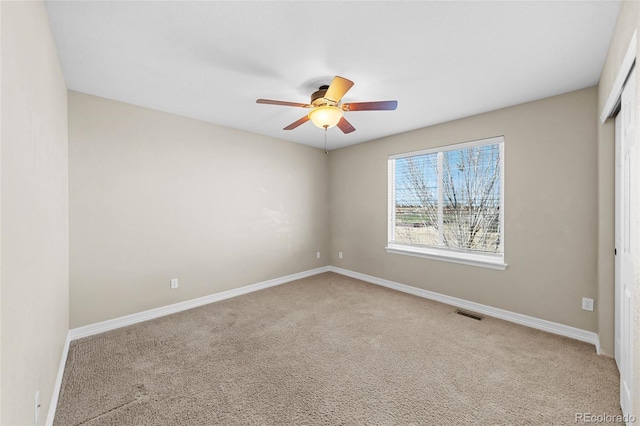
{"x": 332, "y": 350}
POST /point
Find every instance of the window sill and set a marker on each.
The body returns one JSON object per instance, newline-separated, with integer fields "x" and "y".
{"x": 470, "y": 259}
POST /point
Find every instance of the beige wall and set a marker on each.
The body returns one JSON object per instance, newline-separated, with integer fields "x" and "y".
{"x": 550, "y": 210}
{"x": 34, "y": 210}
{"x": 628, "y": 21}
{"x": 154, "y": 196}
{"x": 606, "y": 236}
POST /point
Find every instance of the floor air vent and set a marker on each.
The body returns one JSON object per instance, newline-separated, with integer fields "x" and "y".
{"x": 469, "y": 315}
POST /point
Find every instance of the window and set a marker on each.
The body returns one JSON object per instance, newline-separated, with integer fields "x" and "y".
{"x": 448, "y": 203}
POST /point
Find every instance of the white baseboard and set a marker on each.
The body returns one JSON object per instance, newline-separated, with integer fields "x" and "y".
{"x": 540, "y": 324}
{"x": 58, "y": 384}
{"x": 112, "y": 324}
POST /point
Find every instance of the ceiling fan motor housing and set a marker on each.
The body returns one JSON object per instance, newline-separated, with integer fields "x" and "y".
{"x": 318, "y": 99}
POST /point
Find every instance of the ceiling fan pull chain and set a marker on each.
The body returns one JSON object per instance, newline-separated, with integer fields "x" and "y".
{"x": 325, "y": 140}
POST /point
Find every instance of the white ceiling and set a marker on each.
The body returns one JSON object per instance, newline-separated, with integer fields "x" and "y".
{"x": 440, "y": 60}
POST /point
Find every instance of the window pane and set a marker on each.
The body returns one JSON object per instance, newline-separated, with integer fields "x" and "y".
{"x": 471, "y": 199}
{"x": 449, "y": 199}
{"x": 417, "y": 200}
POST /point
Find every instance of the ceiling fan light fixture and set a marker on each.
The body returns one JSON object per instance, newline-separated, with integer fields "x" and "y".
{"x": 326, "y": 108}
{"x": 326, "y": 116}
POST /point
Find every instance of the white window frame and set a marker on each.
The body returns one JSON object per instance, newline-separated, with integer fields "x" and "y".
{"x": 486, "y": 260}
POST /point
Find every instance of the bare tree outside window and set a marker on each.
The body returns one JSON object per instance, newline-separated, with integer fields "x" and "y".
{"x": 417, "y": 200}
{"x": 450, "y": 199}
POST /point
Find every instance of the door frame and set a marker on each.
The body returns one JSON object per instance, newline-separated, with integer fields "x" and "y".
{"x": 618, "y": 84}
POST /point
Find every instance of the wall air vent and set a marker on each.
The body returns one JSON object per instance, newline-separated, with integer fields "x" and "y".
{"x": 469, "y": 315}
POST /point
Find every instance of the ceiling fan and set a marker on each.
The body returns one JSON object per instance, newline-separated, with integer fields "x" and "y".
{"x": 327, "y": 111}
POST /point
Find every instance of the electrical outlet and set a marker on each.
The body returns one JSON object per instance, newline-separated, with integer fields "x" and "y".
{"x": 318, "y": 255}
{"x": 587, "y": 304}
{"x": 339, "y": 255}
{"x": 174, "y": 283}
{"x": 36, "y": 407}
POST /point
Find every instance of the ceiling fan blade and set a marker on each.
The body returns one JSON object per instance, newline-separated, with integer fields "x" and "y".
{"x": 283, "y": 103}
{"x": 345, "y": 126}
{"x": 371, "y": 106}
{"x": 338, "y": 87}
{"x": 297, "y": 123}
